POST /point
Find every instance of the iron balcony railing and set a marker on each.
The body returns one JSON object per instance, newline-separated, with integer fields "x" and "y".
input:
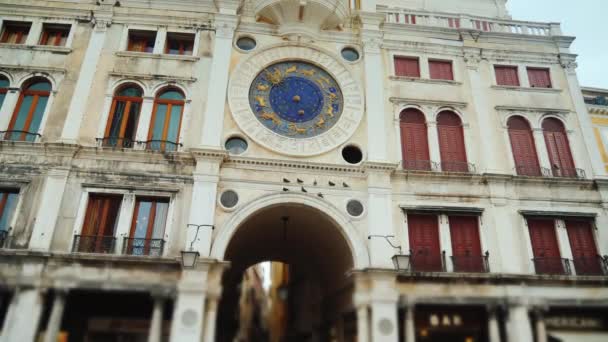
{"x": 471, "y": 263}
{"x": 532, "y": 171}
{"x": 160, "y": 145}
{"x": 15, "y": 135}
{"x": 425, "y": 260}
{"x": 3, "y": 238}
{"x": 115, "y": 142}
{"x": 420, "y": 165}
{"x": 93, "y": 244}
{"x": 591, "y": 265}
{"x": 568, "y": 172}
{"x": 543, "y": 265}
{"x": 150, "y": 247}
{"x": 457, "y": 166}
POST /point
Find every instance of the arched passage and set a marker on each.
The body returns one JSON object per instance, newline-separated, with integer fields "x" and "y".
{"x": 318, "y": 250}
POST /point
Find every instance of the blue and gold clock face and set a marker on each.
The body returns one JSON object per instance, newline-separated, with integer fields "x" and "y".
{"x": 296, "y": 99}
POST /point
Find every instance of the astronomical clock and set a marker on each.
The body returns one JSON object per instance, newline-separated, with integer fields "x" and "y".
{"x": 304, "y": 105}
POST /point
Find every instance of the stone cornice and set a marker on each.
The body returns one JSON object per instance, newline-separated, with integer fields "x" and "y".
{"x": 34, "y": 68}
{"x": 121, "y": 74}
{"x": 403, "y": 101}
{"x": 528, "y": 89}
{"x": 531, "y": 109}
{"x": 273, "y": 164}
{"x": 424, "y": 80}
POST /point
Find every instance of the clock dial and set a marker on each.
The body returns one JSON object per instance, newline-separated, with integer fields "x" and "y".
{"x": 296, "y": 99}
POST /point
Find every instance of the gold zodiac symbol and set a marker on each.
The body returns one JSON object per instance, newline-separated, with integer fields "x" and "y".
{"x": 330, "y": 111}
{"x": 332, "y": 96}
{"x": 261, "y": 101}
{"x": 271, "y": 116}
{"x": 262, "y": 87}
{"x": 291, "y": 69}
{"x": 320, "y": 123}
{"x": 322, "y": 80}
{"x": 274, "y": 77}
{"x": 308, "y": 72}
{"x": 294, "y": 128}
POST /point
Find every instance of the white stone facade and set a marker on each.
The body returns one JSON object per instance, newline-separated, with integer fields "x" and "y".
{"x": 55, "y": 175}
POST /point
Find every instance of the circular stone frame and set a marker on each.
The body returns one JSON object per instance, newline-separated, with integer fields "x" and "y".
{"x": 246, "y": 72}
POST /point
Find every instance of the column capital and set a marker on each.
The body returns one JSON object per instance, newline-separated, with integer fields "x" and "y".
{"x": 472, "y": 57}
{"x": 568, "y": 62}
{"x": 225, "y": 25}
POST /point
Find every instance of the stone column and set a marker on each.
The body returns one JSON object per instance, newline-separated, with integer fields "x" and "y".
{"x": 568, "y": 62}
{"x": 362, "y": 324}
{"x": 541, "y": 149}
{"x": 215, "y": 105}
{"x": 21, "y": 322}
{"x": 445, "y": 239}
{"x": 210, "y": 318}
{"x": 409, "y": 326}
{"x": 493, "y": 329}
{"x": 377, "y": 145}
{"x": 143, "y": 124}
{"x": 541, "y": 329}
{"x": 54, "y": 324}
{"x": 188, "y": 314}
{"x": 383, "y": 301}
{"x": 434, "y": 150}
{"x": 81, "y": 93}
{"x": 380, "y": 214}
{"x": 519, "y": 327}
{"x": 8, "y": 107}
{"x": 49, "y": 205}
{"x": 155, "y": 332}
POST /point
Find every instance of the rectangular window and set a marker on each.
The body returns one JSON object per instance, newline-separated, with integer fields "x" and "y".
{"x": 441, "y": 70}
{"x": 141, "y": 41}
{"x": 539, "y": 77}
{"x": 545, "y": 248}
{"x": 54, "y": 34}
{"x": 99, "y": 225}
{"x": 423, "y": 233}
{"x": 466, "y": 245}
{"x": 8, "y": 202}
{"x": 585, "y": 256}
{"x": 454, "y": 22}
{"x": 410, "y": 19}
{"x": 15, "y": 32}
{"x": 179, "y": 44}
{"x": 407, "y": 66}
{"x": 506, "y": 75}
{"x": 148, "y": 226}
{"x": 482, "y": 25}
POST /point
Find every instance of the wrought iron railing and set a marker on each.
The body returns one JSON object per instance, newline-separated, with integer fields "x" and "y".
{"x": 93, "y": 244}
{"x": 151, "y": 247}
{"x": 545, "y": 265}
{"x": 3, "y": 238}
{"x": 532, "y": 170}
{"x": 115, "y": 142}
{"x": 471, "y": 263}
{"x": 568, "y": 172}
{"x": 16, "y": 135}
{"x": 457, "y": 166}
{"x": 160, "y": 145}
{"x": 420, "y": 165}
{"x": 425, "y": 260}
{"x": 590, "y": 265}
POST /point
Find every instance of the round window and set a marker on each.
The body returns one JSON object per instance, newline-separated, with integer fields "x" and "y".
{"x": 354, "y": 208}
{"x": 229, "y": 199}
{"x": 246, "y": 43}
{"x": 352, "y": 154}
{"x": 350, "y": 54}
{"x": 236, "y": 145}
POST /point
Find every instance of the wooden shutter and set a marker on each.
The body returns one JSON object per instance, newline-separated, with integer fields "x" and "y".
{"x": 544, "y": 246}
{"x": 582, "y": 244}
{"x": 466, "y": 246}
{"x": 506, "y": 75}
{"x": 414, "y": 140}
{"x": 524, "y": 152}
{"x": 423, "y": 232}
{"x": 451, "y": 148}
{"x": 539, "y": 78}
{"x": 441, "y": 70}
{"x": 560, "y": 156}
{"x": 407, "y": 66}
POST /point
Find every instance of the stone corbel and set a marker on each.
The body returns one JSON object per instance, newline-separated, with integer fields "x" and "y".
{"x": 568, "y": 62}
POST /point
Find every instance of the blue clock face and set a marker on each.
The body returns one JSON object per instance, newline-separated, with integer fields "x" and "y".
{"x": 296, "y": 99}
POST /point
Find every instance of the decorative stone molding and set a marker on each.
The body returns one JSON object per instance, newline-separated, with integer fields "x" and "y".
{"x": 531, "y": 109}
{"x": 148, "y": 77}
{"x": 344, "y": 128}
{"x": 400, "y": 101}
{"x": 273, "y": 164}
{"x": 472, "y": 57}
{"x": 225, "y": 25}
{"x": 568, "y": 62}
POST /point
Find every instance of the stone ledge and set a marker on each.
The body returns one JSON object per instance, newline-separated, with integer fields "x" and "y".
{"x": 46, "y": 48}
{"x": 424, "y": 80}
{"x": 157, "y": 56}
{"x": 527, "y": 89}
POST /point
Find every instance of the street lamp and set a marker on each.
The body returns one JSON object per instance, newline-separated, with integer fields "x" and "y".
{"x": 190, "y": 256}
{"x": 402, "y": 262}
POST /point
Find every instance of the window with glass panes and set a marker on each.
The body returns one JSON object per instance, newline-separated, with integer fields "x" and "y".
{"x": 123, "y": 118}
{"x": 27, "y": 117}
{"x": 179, "y": 44}
{"x": 54, "y": 34}
{"x": 166, "y": 121}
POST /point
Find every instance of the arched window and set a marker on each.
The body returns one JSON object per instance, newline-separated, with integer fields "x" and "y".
{"x": 522, "y": 146}
{"x": 3, "y": 88}
{"x": 28, "y": 113}
{"x": 451, "y": 143}
{"x": 414, "y": 141}
{"x": 166, "y": 120}
{"x": 558, "y": 148}
{"x": 124, "y": 114}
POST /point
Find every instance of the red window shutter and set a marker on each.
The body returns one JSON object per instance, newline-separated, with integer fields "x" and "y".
{"x": 466, "y": 245}
{"x": 407, "y": 66}
{"x": 423, "y": 232}
{"x": 441, "y": 70}
{"x": 539, "y": 78}
{"x": 560, "y": 156}
{"x": 454, "y": 22}
{"x": 506, "y": 75}
{"x": 584, "y": 250}
{"x": 524, "y": 152}
{"x": 451, "y": 148}
{"x": 544, "y": 246}
{"x": 415, "y": 147}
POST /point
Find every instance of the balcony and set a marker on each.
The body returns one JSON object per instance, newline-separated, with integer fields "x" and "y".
{"x": 152, "y": 145}
{"x": 93, "y": 244}
{"x": 456, "y": 166}
{"x": 592, "y": 265}
{"x": 466, "y": 22}
{"x": 19, "y": 136}
{"x": 159, "y": 145}
{"x": 552, "y": 266}
{"x": 532, "y": 171}
{"x": 471, "y": 263}
{"x": 426, "y": 260}
{"x": 568, "y": 173}
{"x": 115, "y": 142}
{"x": 149, "y": 247}
{"x": 420, "y": 165}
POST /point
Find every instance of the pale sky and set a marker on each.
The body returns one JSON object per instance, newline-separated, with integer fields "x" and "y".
{"x": 587, "y": 20}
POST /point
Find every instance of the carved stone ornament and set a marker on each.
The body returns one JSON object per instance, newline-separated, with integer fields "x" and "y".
{"x": 295, "y": 100}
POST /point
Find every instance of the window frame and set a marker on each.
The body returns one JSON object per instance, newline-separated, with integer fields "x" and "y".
{"x": 408, "y": 58}
{"x": 37, "y": 94}
{"x": 142, "y": 32}
{"x": 182, "y": 51}
{"x": 443, "y": 61}
{"x": 58, "y": 29}
{"x": 129, "y": 101}
{"x": 25, "y": 26}
{"x": 170, "y": 103}
{"x": 506, "y": 66}
{"x": 4, "y": 191}
{"x": 545, "y": 69}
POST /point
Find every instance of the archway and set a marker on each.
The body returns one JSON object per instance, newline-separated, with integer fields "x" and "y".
{"x": 319, "y": 252}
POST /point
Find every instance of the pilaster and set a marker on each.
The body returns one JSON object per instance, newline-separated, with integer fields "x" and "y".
{"x": 21, "y": 322}
{"x": 519, "y": 325}
{"x": 54, "y": 324}
{"x": 8, "y": 107}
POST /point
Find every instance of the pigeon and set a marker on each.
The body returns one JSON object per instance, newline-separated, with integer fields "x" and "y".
{"x": 300, "y": 181}
{"x": 320, "y": 195}
{"x": 304, "y": 190}
{"x": 345, "y": 185}
{"x": 314, "y": 183}
{"x": 285, "y": 189}
{"x": 285, "y": 180}
{"x": 331, "y": 183}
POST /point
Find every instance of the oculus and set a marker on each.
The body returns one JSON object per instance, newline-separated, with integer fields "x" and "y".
{"x": 296, "y": 99}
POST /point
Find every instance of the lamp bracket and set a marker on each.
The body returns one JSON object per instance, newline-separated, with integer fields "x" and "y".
{"x": 387, "y": 238}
